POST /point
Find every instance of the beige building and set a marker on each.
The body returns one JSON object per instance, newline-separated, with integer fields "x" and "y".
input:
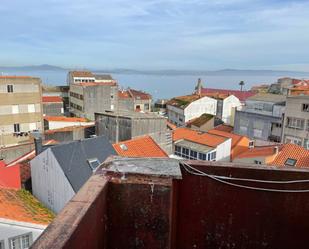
{"x": 296, "y": 121}
{"x": 20, "y": 109}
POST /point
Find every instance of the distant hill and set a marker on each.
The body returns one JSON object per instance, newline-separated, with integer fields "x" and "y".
{"x": 167, "y": 72}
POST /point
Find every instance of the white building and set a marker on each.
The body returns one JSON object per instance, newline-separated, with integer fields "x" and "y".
{"x": 22, "y": 220}
{"x": 60, "y": 171}
{"x": 196, "y": 145}
{"x": 226, "y": 108}
{"x": 182, "y": 109}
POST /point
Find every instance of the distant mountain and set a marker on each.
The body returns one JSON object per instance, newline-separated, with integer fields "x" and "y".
{"x": 44, "y": 67}
{"x": 167, "y": 72}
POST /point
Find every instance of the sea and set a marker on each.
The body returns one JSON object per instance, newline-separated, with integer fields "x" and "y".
{"x": 163, "y": 86}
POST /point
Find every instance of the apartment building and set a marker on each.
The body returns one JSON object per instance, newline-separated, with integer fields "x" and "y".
{"x": 296, "y": 121}
{"x": 90, "y": 93}
{"x": 20, "y": 109}
{"x": 261, "y": 118}
{"x": 134, "y": 100}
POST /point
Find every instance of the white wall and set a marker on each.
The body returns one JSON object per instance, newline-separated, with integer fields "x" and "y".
{"x": 58, "y": 124}
{"x": 174, "y": 114}
{"x": 10, "y": 228}
{"x": 228, "y": 104}
{"x": 199, "y": 107}
{"x": 49, "y": 184}
{"x": 224, "y": 150}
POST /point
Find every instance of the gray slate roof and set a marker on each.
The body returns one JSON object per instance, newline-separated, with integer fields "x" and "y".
{"x": 72, "y": 158}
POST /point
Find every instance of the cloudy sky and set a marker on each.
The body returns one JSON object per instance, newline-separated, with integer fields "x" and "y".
{"x": 156, "y": 34}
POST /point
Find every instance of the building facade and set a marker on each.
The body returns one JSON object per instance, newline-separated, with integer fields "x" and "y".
{"x": 123, "y": 125}
{"x": 182, "y": 109}
{"x": 133, "y": 100}
{"x": 20, "y": 109}
{"x": 53, "y": 106}
{"x": 90, "y": 93}
{"x": 261, "y": 118}
{"x": 296, "y": 121}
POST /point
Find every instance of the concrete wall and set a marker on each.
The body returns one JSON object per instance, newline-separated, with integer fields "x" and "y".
{"x": 224, "y": 151}
{"x": 246, "y": 122}
{"x": 49, "y": 184}
{"x": 10, "y": 229}
{"x": 9, "y": 154}
{"x": 229, "y": 105}
{"x": 53, "y": 109}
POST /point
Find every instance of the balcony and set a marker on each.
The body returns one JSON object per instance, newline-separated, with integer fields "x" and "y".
{"x": 161, "y": 203}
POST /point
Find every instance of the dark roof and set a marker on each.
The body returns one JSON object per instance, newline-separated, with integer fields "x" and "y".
{"x": 72, "y": 158}
{"x": 201, "y": 120}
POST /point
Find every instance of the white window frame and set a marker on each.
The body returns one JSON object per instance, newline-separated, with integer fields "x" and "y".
{"x": 31, "y": 108}
{"x": 15, "y": 109}
{"x": 20, "y": 242}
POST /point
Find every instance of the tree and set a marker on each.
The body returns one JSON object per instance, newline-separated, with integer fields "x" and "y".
{"x": 241, "y": 83}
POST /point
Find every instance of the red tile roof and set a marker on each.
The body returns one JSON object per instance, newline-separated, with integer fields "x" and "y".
{"x": 131, "y": 93}
{"x": 292, "y": 151}
{"x": 261, "y": 151}
{"x": 52, "y": 99}
{"x": 20, "y": 205}
{"x": 10, "y": 176}
{"x": 203, "y": 138}
{"x": 241, "y": 95}
{"x": 64, "y": 119}
{"x": 235, "y": 138}
{"x": 139, "y": 147}
{"x": 81, "y": 74}
{"x": 224, "y": 127}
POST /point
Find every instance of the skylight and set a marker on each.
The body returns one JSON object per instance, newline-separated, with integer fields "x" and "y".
{"x": 123, "y": 147}
{"x": 290, "y": 162}
{"x": 93, "y": 163}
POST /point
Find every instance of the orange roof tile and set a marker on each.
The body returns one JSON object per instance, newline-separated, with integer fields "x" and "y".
{"x": 235, "y": 138}
{"x": 52, "y": 99}
{"x": 292, "y": 151}
{"x": 224, "y": 127}
{"x": 139, "y": 147}
{"x": 64, "y": 119}
{"x": 20, "y": 205}
{"x": 204, "y": 138}
{"x": 261, "y": 151}
{"x": 81, "y": 74}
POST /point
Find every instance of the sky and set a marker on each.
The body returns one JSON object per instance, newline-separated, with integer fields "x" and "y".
{"x": 156, "y": 34}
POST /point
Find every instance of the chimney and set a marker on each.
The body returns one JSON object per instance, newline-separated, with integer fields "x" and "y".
{"x": 276, "y": 150}
{"x": 198, "y": 88}
{"x": 38, "y": 145}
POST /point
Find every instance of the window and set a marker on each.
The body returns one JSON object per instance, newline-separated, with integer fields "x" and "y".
{"x": 31, "y": 108}
{"x": 10, "y": 88}
{"x": 177, "y": 150}
{"x": 21, "y": 242}
{"x": 293, "y": 140}
{"x": 146, "y": 106}
{"x": 15, "y": 109}
{"x": 2, "y": 244}
{"x": 93, "y": 163}
{"x": 202, "y": 156}
{"x": 251, "y": 144}
{"x": 296, "y": 123}
{"x": 213, "y": 156}
{"x": 193, "y": 154}
{"x": 307, "y": 125}
{"x": 306, "y": 144}
{"x": 185, "y": 153}
{"x": 305, "y": 108}
{"x": 290, "y": 162}
{"x": 16, "y": 128}
{"x": 257, "y": 162}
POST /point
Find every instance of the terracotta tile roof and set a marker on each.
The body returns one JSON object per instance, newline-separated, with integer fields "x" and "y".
{"x": 261, "y": 151}
{"x": 292, "y": 151}
{"x": 241, "y": 95}
{"x": 64, "y": 119}
{"x": 14, "y": 77}
{"x": 235, "y": 138}
{"x": 139, "y": 147}
{"x": 203, "y": 138}
{"x": 82, "y": 74}
{"x": 171, "y": 125}
{"x": 183, "y": 101}
{"x": 52, "y": 99}
{"x": 20, "y": 205}
{"x": 131, "y": 93}
{"x": 68, "y": 128}
{"x": 224, "y": 127}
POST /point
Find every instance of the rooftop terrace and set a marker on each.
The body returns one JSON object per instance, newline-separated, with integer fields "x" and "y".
{"x": 164, "y": 203}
